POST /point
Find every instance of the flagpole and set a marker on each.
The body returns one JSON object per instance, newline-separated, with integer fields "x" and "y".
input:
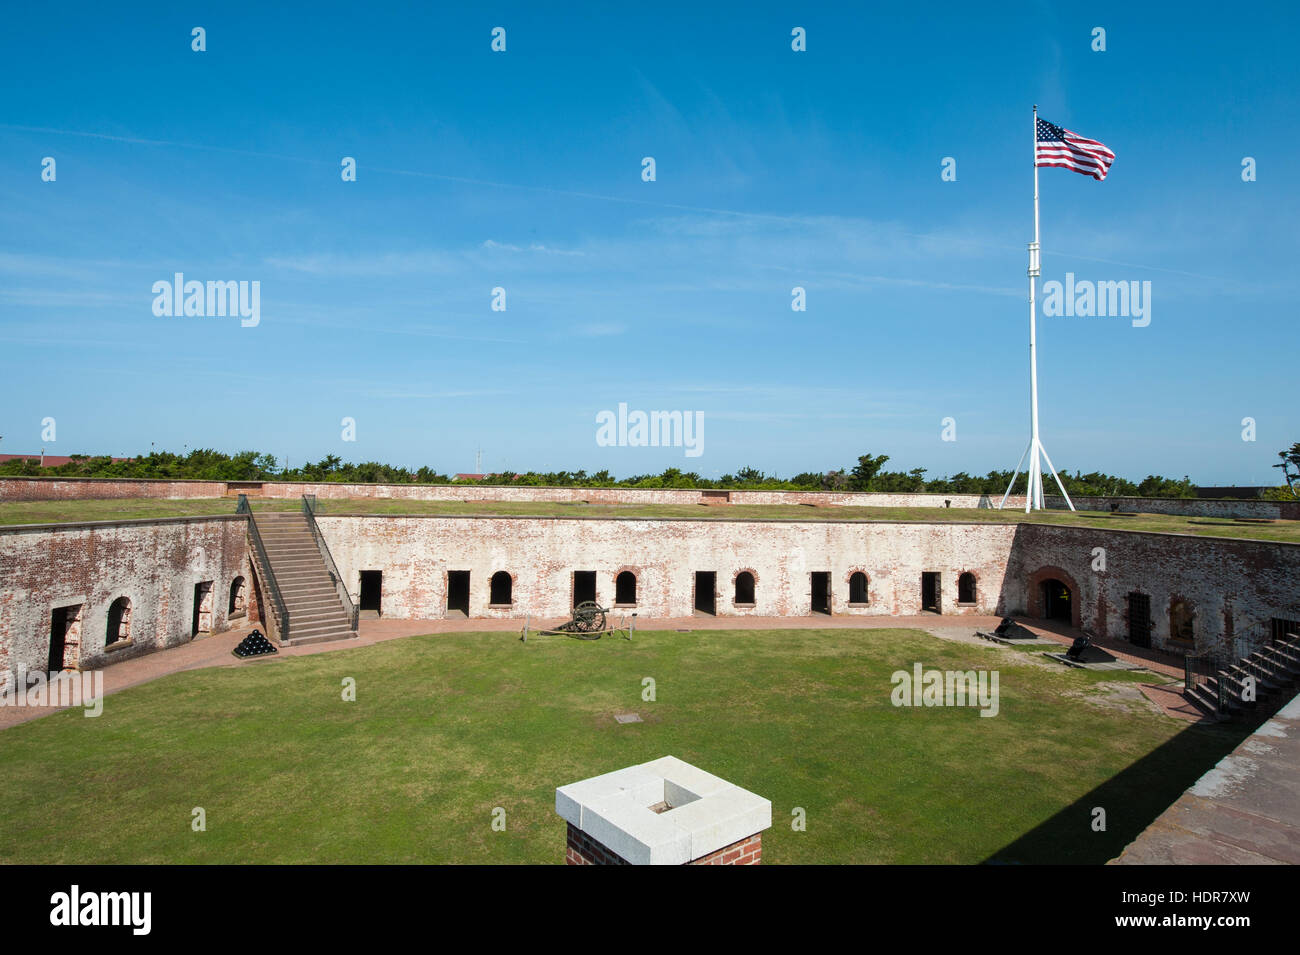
{"x": 1035, "y": 451}
{"x": 1034, "y": 495}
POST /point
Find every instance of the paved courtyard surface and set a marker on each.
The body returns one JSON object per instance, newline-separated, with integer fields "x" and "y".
{"x": 1246, "y": 810}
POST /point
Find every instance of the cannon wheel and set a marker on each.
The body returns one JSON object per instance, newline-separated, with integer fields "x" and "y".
{"x": 588, "y": 617}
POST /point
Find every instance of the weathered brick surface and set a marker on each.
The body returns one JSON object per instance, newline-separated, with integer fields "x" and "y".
{"x": 745, "y": 852}
{"x": 66, "y": 489}
{"x": 415, "y": 553}
{"x": 153, "y": 563}
{"x": 32, "y": 489}
{"x": 581, "y": 849}
{"x": 1234, "y": 586}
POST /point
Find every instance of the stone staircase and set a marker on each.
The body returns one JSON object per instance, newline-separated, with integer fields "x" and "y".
{"x": 316, "y": 611}
{"x": 1275, "y": 669}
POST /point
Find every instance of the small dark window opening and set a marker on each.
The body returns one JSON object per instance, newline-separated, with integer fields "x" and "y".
{"x": 625, "y": 588}
{"x": 501, "y": 589}
{"x": 745, "y": 588}
{"x": 966, "y": 589}
{"x": 858, "y": 588}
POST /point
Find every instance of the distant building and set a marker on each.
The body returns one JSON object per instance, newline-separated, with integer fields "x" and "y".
{"x": 480, "y": 477}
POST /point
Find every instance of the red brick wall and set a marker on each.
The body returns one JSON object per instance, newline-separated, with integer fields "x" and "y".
{"x": 154, "y": 564}
{"x": 41, "y": 489}
{"x": 1234, "y": 586}
{"x": 581, "y": 849}
{"x": 745, "y": 852}
{"x": 584, "y": 850}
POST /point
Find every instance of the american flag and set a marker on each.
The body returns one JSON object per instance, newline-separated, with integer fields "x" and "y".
{"x": 1057, "y": 146}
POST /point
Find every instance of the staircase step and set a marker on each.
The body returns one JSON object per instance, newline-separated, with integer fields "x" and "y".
{"x": 1288, "y": 660}
{"x": 297, "y": 633}
{"x": 343, "y": 634}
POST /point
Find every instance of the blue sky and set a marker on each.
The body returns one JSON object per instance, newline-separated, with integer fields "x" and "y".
{"x": 775, "y": 169}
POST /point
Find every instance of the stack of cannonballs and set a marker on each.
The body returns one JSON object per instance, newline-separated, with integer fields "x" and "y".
{"x": 254, "y": 645}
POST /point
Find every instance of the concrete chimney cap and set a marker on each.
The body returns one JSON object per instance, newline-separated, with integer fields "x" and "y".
{"x": 664, "y": 812}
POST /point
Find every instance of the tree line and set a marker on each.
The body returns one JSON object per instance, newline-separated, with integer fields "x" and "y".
{"x": 868, "y": 474}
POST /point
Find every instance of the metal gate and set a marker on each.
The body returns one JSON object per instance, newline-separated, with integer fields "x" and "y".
{"x": 1139, "y": 620}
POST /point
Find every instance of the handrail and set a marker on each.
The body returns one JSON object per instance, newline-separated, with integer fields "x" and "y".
{"x": 309, "y": 511}
{"x": 1253, "y": 636}
{"x": 265, "y": 562}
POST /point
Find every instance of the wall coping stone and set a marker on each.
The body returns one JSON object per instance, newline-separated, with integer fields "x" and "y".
{"x": 705, "y": 812}
{"x": 124, "y": 522}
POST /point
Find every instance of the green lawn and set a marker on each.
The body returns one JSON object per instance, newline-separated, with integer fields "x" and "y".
{"x": 447, "y": 727}
{"x": 45, "y": 512}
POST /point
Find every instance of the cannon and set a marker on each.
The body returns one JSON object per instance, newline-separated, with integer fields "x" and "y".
{"x": 588, "y": 622}
{"x": 1078, "y": 647}
{"x": 588, "y": 617}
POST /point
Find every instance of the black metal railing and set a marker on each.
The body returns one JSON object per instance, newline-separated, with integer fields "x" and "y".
{"x": 1199, "y": 670}
{"x": 1261, "y": 634}
{"x": 309, "y": 511}
{"x": 264, "y": 562}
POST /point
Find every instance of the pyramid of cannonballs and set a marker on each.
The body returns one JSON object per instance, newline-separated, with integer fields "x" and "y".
{"x": 254, "y": 645}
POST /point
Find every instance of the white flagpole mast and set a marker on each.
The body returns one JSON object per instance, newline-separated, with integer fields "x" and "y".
{"x": 1036, "y": 452}
{"x": 1034, "y": 497}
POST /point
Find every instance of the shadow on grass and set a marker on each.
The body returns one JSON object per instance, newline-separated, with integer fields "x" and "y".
{"x": 1133, "y": 799}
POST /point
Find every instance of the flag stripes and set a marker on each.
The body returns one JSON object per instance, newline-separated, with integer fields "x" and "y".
{"x": 1065, "y": 149}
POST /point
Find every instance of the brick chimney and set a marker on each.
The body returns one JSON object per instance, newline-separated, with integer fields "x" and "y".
{"x": 664, "y": 812}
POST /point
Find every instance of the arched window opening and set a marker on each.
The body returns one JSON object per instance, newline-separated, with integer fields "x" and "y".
{"x": 745, "y": 588}
{"x": 501, "y": 589}
{"x": 625, "y": 589}
{"x": 966, "y": 588}
{"x": 858, "y": 588}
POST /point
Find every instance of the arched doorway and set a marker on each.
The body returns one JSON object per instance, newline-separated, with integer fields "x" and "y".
{"x": 1056, "y": 600}
{"x": 119, "y": 622}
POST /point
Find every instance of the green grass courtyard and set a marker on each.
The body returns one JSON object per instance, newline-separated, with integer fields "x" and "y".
{"x": 447, "y": 728}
